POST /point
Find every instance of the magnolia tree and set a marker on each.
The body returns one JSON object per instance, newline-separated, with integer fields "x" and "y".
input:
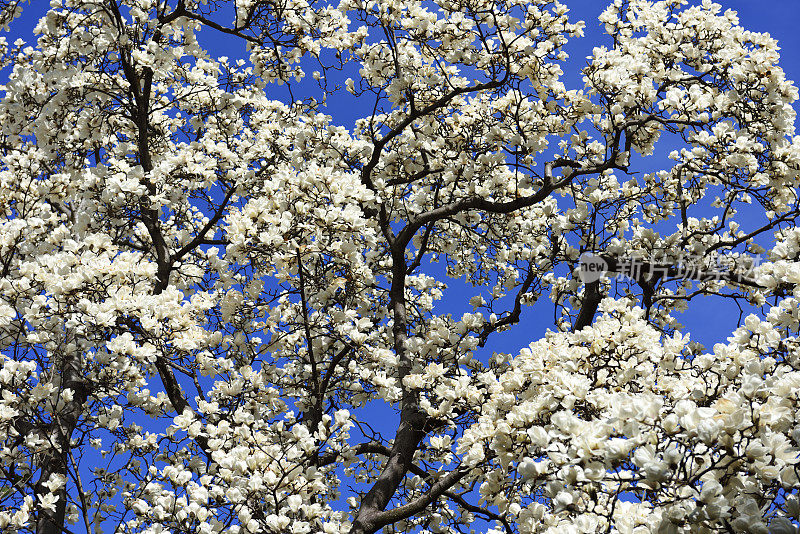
{"x": 208, "y": 285}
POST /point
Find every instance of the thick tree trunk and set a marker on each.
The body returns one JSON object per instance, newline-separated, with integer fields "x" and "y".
{"x": 412, "y": 421}
{"x": 591, "y": 300}
{"x": 56, "y": 460}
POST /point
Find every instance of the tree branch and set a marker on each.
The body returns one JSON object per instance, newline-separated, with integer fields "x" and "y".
{"x": 591, "y": 300}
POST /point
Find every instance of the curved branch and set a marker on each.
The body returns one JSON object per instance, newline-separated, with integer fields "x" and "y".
{"x": 436, "y": 490}
{"x": 591, "y": 301}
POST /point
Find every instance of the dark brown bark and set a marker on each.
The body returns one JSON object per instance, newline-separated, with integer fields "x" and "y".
{"x": 140, "y": 89}
{"x": 410, "y": 431}
{"x": 591, "y": 300}
{"x": 56, "y": 459}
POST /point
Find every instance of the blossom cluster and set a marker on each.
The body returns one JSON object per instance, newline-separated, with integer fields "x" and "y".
{"x": 212, "y": 293}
